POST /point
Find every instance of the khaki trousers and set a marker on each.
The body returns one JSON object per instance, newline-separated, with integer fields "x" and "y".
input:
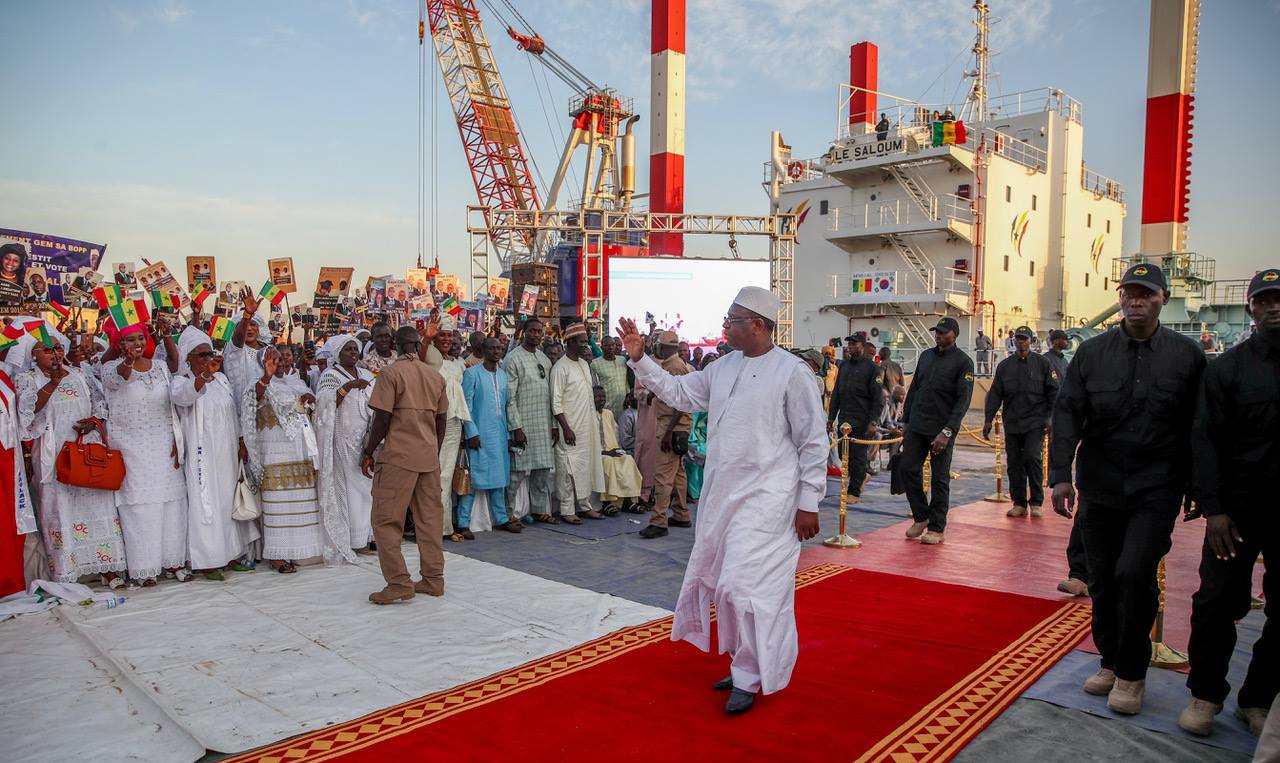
{"x": 393, "y": 489}
{"x": 669, "y": 482}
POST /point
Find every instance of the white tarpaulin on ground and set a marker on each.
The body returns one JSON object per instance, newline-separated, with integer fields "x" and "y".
{"x": 264, "y": 656}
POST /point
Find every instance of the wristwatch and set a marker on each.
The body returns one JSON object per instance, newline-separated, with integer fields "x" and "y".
{"x": 947, "y": 431}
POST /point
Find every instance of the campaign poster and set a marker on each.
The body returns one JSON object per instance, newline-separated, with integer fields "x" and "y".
{"x": 201, "y": 270}
{"x": 397, "y": 294}
{"x": 230, "y": 296}
{"x": 529, "y": 300}
{"x": 334, "y": 282}
{"x": 472, "y": 316}
{"x": 447, "y": 285}
{"x": 37, "y": 286}
{"x": 418, "y": 279}
{"x": 157, "y": 277}
{"x": 421, "y": 306}
{"x": 122, "y": 274}
{"x": 500, "y": 292}
{"x": 280, "y": 271}
{"x": 21, "y": 249}
{"x": 377, "y": 295}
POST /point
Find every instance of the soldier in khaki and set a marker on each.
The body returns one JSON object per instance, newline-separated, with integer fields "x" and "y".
{"x": 670, "y": 488}
{"x": 409, "y": 405}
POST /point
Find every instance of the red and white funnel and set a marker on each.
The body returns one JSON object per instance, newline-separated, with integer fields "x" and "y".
{"x": 666, "y": 131}
{"x": 1171, "y": 84}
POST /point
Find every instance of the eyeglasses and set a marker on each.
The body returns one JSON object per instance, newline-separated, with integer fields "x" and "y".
{"x": 208, "y": 354}
{"x": 542, "y": 372}
{"x": 731, "y": 319}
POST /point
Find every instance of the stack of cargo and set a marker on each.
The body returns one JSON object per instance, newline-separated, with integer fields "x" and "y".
{"x": 544, "y": 277}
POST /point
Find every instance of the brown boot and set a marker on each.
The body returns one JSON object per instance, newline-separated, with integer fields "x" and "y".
{"x": 424, "y": 587}
{"x": 390, "y": 595}
{"x": 916, "y": 530}
{"x": 1074, "y": 586}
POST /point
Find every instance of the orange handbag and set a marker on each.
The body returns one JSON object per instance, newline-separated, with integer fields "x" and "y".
{"x": 90, "y": 464}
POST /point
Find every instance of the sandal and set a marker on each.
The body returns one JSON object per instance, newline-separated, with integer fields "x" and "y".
{"x": 593, "y": 514}
{"x": 115, "y": 583}
{"x": 609, "y": 510}
{"x": 455, "y": 538}
{"x": 239, "y": 566}
{"x": 631, "y": 507}
{"x": 149, "y": 583}
{"x": 214, "y": 575}
{"x": 546, "y": 519}
{"x": 183, "y": 575}
{"x": 571, "y": 520}
{"x": 284, "y": 567}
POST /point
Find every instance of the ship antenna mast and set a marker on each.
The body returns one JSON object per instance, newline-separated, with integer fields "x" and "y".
{"x": 977, "y": 102}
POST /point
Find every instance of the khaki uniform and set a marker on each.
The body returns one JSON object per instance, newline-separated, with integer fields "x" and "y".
{"x": 407, "y": 471}
{"x": 670, "y": 484}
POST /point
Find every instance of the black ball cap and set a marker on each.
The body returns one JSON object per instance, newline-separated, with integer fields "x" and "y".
{"x": 1145, "y": 274}
{"x": 1264, "y": 280}
{"x": 1024, "y": 331}
{"x": 947, "y": 324}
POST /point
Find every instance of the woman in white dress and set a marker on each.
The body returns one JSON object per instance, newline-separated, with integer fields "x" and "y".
{"x": 282, "y": 452}
{"x": 211, "y": 434}
{"x": 342, "y": 416}
{"x": 451, "y": 369}
{"x": 80, "y": 526}
{"x": 153, "y": 499}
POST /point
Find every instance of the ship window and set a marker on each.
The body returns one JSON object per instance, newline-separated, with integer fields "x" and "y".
{"x": 1106, "y": 283}
{"x": 1008, "y": 193}
{"x": 1033, "y": 202}
{"x": 1108, "y": 226}
{"x": 822, "y": 207}
{"x": 1086, "y": 280}
{"x": 1006, "y": 263}
{"x": 1033, "y": 268}
{"x": 1088, "y": 221}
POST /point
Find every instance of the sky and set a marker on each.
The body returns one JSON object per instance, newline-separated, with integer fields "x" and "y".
{"x": 247, "y": 130}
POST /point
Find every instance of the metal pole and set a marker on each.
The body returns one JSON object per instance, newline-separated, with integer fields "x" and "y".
{"x": 1162, "y": 655}
{"x": 843, "y": 540}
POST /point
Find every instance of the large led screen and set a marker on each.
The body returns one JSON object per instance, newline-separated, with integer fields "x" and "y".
{"x": 686, "y": 295}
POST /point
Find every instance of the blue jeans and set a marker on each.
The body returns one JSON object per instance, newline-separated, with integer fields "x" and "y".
{"x": 497, "y": 502}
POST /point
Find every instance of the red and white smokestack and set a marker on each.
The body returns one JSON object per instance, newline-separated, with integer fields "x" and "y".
{"x": 1171, "y": 84}
{"x": 666, "y": 131}
{"x": 864, "y": 73}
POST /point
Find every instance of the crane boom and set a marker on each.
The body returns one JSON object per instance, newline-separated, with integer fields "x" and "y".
{"x": 490, "y": 138}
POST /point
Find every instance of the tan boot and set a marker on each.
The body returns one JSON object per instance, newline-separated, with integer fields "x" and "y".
{"x": 1016, "y": 511}
{"x": 424, "y": 587}
{"x": 916, "y": 530}
{"x": 932, "y": 538}
{"x": 1036, "y": 512}
{"x": 1074, "y": 587}
{"x": 1126, "y": 697}
{"x": 1256, "y": 717}
{"x": 1100, "y": 683}
{"x": 1197, "y": 717}
{"x": 391, "y": 595}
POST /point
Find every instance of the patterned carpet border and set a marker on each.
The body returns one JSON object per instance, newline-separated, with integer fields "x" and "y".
{"x": 345, "y": 738}
{"x": 940, "y": 729}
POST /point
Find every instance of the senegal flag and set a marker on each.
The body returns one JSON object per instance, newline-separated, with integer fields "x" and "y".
{"x": 37, "y": 329}
{"x": 271, "y": 293}
{"x": 10, "y": 335}
{"x": 221, "y": 328}
{"x": 862, "y": 286}
{"x": 450, "y": 305}
{"x": 949, "y": 133}
{"x": 162, "y": 299}
{"x": 200, "y": 294}
{"x": 124, "y": 312}
{"x": 58, "y": 308}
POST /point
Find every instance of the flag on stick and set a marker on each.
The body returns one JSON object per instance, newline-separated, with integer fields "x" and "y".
{"x": 222, "y": 328}
{"x": 11, "y": 334}
{"x": 271, "y": 293}
{"x": 201, "y": 293}
{"x": 450, "y": 305}
{"x": 37, "y": 329}
{"x": 162, "y": 299}
{"x": 58, "y": 308}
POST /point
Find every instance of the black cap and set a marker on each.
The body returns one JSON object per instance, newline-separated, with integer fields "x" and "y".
{"x": 1145, "y": 274}
{"x": 1024, "y": 331}
{"x": 947, "y": 323}
{"x": 1264, "y": 280}
{"x": 857, "y": 336}
{"x": 1057, "y": 334}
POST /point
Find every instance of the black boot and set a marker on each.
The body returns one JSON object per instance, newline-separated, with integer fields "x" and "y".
{"x": 739, "y": 701}
{"x": 724, "y": 684}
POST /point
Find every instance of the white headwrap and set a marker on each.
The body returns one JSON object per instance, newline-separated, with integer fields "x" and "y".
{"x": 448, "y": 322}
{"x": 334, "y": 346}
{"x": 190, "y": 338}
{"x": 20, "y": 357}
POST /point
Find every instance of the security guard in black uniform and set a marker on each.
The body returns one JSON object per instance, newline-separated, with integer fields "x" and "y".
{"x": 1126, "y": 402}
{"x": 1077, "y": 582}
{"x": 1236, "y": 450}
{"x": 1026, "y": 386}
{"x": 933, "y": 411}
{"x": 857, "y": 400}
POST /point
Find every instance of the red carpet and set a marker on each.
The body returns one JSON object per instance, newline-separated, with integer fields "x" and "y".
{"x": 891, "y": 668}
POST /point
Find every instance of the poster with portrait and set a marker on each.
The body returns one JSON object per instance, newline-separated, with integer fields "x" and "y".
{"x": 419, "y": 279}
{"x": 157, "y": 277}
{"x": 528, "y": 300}
{"x": 37, "y": 286}
{"x": 122, "y": 274}
{"x": 57, "y": 255}
{"x": 334, "y": 282}
{"x": 447, "y": 285}
{"x": 421, "y": 306}
{"x": 280, "y": 271}
{"x": 377, "y": 296}
{"x": 500, "y": 292}
{"x": 397, "y": 294}
{"x": 230, "y": 296}
{"x": 201, "y": 270}
{"x": 472, "y": 317}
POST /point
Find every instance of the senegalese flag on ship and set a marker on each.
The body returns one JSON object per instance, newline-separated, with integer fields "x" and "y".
{"x": 163, "y": 299}
{"x": 200, "y": 293}
{"x": 124, "y": 312}
{"x": 862, "y": 285}
{"x": 222, "y": 328}
{"x": 450, "y": 305}
{"x": 37, "y": 329}
{"x": 949, "y": 133}
{"x": 271, "y": 293}
{"x": 11, "y": 334}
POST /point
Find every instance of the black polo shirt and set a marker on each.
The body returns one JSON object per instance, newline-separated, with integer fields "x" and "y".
{"x": 940, "y": 391}
{"x": 1026, "y": 387}
{"x": 1128, "y": 405}
{"x": 1236, "y": 440}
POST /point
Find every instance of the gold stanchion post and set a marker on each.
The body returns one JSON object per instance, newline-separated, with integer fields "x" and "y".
{"x": 842, "y": 539}
{"x": 998, "y": 446}
{"x": 1162, "y": 655}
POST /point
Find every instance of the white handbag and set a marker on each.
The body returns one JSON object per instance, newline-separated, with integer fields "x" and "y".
{"x": 245, "y": 506}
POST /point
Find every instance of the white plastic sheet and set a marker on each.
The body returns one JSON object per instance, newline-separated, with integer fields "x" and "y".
{"x": 265, "y": 656}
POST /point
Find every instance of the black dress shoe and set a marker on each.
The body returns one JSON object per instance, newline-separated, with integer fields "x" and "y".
{"x": 653, "y": 532}
{"x": 678, "y": 523}
{"x": 739, "y": 701}
{"x": 724, "y": 684}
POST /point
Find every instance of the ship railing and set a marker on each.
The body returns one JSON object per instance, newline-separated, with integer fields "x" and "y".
{"x": 1231, "y": 292}
{"x": 810, "y": 169}
{"x": 1100, "y": 185}
{"x": 904, "y": 283}
{"x": 1015, "y": 150}
{"x": 1035, "y": 101}
{"x": 1195, "y": 269}
{"x": 898, "y": 212}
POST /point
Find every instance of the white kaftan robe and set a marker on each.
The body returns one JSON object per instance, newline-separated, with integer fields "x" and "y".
{"x": 578, "y": 466}
{"x": 211, "y": 435}
{"x": 152, "y": 501}
{"x": 451, "y": 369}
{"x": 80, "y": 527}
{"x": 340, "y": 431}
{"x": 766, "y": 458}
{"x": 621, "y": 475}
